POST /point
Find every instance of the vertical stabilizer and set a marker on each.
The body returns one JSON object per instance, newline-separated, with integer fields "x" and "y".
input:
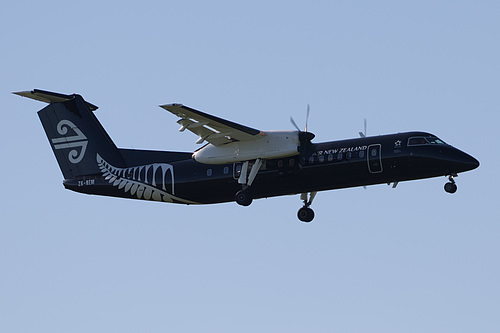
{"x": 74, "y": 133}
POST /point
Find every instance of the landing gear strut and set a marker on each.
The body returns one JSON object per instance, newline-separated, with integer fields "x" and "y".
{"x": 244, "y": 197}
{"x": 306, "y": 214}
{"x": 451, "y": 187}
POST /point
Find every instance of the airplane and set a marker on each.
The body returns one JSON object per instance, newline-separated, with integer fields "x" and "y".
{"x": 237, "y": 163}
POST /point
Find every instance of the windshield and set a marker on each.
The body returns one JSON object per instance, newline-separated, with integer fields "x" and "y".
{"x": 433, "y": 140}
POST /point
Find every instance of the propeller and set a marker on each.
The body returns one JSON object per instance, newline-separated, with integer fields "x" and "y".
{"x": 304, "y": 135}
{"x": 294, "y": 124}
{"x": 307, "y": 116}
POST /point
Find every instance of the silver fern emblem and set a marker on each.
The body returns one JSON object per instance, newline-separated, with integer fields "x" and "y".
{"x": 148, "y": 182}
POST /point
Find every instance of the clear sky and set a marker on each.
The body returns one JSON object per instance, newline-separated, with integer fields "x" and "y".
{"x": 410, "y": 259}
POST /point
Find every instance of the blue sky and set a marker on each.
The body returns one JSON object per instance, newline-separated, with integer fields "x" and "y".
{"x": 412, "y": 259}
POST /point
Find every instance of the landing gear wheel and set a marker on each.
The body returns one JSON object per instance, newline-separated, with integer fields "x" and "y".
{"x": 305, "y": 214}
{"x": 450, "y": 187}
{"x": 243, "y": 198}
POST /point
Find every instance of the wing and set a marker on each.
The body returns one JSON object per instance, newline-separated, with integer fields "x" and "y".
{"x": 209, "y": 128}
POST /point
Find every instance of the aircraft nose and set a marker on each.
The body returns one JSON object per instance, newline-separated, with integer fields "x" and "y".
{"x": 472, "y": 162}
{"x": 466, "y": 161}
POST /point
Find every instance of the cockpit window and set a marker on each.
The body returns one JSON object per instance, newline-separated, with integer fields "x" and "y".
{"x": 428, "y": 140}
{"x": 417, "y": 141}
{"x": 434, "y": 141}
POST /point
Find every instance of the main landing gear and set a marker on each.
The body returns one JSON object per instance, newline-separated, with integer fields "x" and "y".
{"x": 451, "y": 187}
{"x": 306, "y": 214}
{"x": 244, "y": 197}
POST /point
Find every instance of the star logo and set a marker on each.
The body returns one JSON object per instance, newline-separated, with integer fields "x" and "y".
{"x": 397, "y": 144}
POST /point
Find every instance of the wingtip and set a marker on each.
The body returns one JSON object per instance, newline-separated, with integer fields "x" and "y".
{"x": 23, "y": 93}
{"x": 170, "y": 104}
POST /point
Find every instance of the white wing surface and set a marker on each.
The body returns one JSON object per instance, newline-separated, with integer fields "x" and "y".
{"x": 214, "y": 130}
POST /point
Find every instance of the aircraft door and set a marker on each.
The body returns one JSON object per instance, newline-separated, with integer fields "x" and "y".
{"x": 375, "y": 158}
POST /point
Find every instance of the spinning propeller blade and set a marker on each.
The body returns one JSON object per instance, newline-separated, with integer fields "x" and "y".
{"x": 303, "y": 135}
{"x": 294, "y": 124}
{"x": 307, "y": 116}
{"x": 307, "y": 120}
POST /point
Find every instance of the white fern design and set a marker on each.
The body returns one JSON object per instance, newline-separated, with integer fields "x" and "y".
{"x": 141, "y": 180}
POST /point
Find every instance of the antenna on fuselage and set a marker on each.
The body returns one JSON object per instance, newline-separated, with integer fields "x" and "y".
{"x": 363, "y": 134}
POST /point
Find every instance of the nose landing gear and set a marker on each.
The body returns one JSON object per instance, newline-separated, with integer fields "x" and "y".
{"x": 451, "y": 187}
{"x": 306, "y": 214}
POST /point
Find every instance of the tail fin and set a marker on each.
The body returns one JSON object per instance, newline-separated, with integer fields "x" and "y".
{"x": 74, "y": 133}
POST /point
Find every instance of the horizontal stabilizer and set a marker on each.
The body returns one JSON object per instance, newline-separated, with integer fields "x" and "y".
{"x": 50, "y": 97}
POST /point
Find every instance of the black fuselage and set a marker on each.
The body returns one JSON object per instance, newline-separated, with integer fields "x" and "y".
{"x": 176, "y": 177}
{"x": 267, "y": 164}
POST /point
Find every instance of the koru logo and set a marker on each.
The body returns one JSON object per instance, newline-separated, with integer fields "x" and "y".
{"x": 75, "y": 141}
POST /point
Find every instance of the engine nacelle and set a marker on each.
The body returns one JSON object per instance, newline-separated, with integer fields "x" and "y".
{"x": 272, "y": 144}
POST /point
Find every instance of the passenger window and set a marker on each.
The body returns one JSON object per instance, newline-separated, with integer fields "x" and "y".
{"x": 209, "y": 172}
{"x": 330, "y": 158}
{"x": 340, "y": 156}
{"x": 361, "y": 153}
{"x": 311, "y": 160}
{"x": 226, "y": 170}
{"x": 321, "y": 158}
{"x": 236, "y": 170}
{"x": 348, "y": 155}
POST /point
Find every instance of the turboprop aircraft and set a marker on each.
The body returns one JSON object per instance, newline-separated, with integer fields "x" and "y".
{"x": 237, "y": 163}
